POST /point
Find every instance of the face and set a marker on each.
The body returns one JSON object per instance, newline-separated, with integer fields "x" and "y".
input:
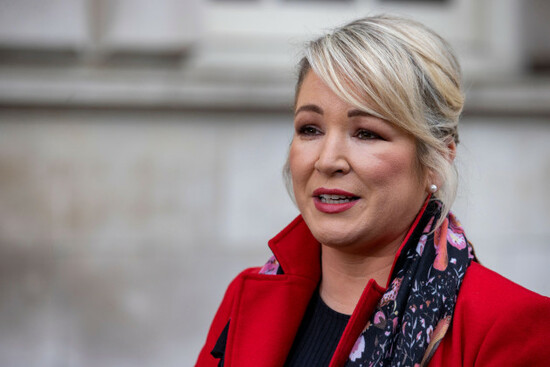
{"x": 356, "y": 179}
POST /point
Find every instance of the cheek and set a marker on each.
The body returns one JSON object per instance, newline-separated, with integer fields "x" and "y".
{"x": 292, "y": 160}
{"x": 298, "y": 163}
{"x": 408, "y": 173}
{"x": 296, "y": 171}
{"x": 391, "y": 170}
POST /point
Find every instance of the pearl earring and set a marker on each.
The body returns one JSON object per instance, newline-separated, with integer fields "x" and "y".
{"x": 433, "y": 188}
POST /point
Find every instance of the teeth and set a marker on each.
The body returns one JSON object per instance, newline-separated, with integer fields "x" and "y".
{"x": 334, "y": 199}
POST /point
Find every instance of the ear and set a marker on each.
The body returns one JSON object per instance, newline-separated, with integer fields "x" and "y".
{"x": 452, "y": 151}
{"x": 431, "y": 180}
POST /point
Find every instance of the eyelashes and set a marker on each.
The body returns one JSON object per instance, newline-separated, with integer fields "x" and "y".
{"x": 310, "y": 131}
{"x": 365, "y": 134}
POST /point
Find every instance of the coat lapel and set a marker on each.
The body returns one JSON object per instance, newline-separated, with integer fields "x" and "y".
{"x": 270, "y": 308}
{"x": 266, "y": 320}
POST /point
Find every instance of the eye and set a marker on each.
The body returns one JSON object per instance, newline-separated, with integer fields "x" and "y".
{"x": 308, "y": 130}
{"x": 364, "y": 134}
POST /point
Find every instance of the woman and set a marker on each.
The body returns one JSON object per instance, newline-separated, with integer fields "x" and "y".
{"x": 376, "y": 271}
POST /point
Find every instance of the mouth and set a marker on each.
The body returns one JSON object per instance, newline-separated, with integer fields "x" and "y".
{"x": 336, "y": 199}
{"x": 333, "y": 200}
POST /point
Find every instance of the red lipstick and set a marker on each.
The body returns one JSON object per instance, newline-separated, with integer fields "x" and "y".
{"x": 332, "y": 201}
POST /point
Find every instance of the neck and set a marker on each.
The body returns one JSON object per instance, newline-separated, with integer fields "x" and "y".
{"x": 345, "y": 275}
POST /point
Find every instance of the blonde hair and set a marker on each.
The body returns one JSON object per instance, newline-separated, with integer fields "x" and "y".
{"x": 402, "y": 71}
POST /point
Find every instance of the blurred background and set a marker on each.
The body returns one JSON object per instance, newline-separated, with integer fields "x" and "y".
{"x": 141, "y": 145}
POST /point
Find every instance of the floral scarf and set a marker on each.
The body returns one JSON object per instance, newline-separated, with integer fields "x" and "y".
{"x": 415, "y": 312}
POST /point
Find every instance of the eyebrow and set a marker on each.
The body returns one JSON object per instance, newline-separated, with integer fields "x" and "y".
{"x": 319, "y": 110}
{"x": 354, "y": 113}
{"x": 309, "y": 107}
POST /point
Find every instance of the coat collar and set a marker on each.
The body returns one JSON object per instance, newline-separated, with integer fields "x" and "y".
{"x": 297, "y": 251}
{"x": 269, "y": 308}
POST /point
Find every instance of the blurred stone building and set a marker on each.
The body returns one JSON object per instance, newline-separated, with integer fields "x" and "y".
{"x": 141, "y": 145}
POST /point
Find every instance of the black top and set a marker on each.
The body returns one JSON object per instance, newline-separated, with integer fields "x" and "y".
{"x": 318, "y": 335}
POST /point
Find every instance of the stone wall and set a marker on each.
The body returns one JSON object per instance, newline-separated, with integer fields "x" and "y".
{"x": 120, "y": 230}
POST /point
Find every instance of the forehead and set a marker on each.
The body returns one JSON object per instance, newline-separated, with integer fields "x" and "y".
{"x": 313, "y": 90}
{"x": 316, "y": 96}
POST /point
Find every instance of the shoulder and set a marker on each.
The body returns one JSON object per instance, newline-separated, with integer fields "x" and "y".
{"x": 234, "y": 287}
{"x": 484, "y": 291}
{"x": 243, "y": 274}
{"x": 498, "y": 322}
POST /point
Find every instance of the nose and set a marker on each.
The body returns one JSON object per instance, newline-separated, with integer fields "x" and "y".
{"x": 332, "y": 157}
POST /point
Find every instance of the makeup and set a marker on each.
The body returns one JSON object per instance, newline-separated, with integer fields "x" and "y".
{"x": 332, "y": 201}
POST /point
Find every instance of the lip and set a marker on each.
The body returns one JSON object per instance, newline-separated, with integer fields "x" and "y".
{"x": 333, "y": 208}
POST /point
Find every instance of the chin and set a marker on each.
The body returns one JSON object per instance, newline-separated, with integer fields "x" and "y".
{"x": 335, "y": 238}
{"x": 333, "y": 231}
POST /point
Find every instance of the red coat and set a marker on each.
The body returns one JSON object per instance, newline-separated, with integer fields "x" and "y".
{"x": 495, "y": 323}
